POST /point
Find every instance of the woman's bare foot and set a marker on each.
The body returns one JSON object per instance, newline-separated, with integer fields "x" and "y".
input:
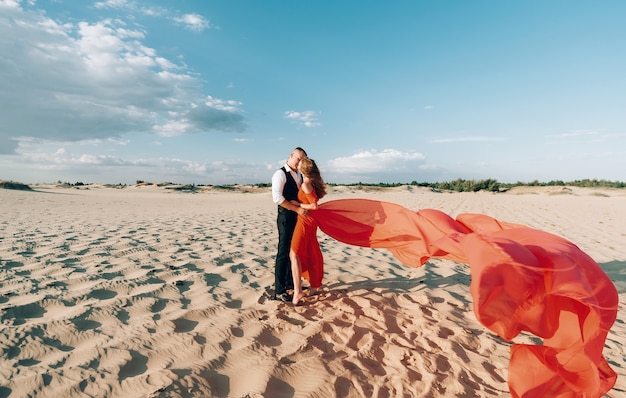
{"x": 297, "y": 297}
{"x": 314, "y": 290}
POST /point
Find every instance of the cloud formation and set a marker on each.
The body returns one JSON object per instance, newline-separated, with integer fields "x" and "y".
{"x": 304, "y": 118}
{"x": 51, "y": 160}
{"x": 376, "y": 166}
{"x": 193, "y": 22}
{"x": 81, "y": 80}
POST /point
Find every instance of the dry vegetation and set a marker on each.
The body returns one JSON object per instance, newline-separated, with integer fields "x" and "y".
{"x": 14, "y": 185}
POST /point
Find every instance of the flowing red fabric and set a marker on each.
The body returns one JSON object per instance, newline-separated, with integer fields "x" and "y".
{"x": 523, "y": 279}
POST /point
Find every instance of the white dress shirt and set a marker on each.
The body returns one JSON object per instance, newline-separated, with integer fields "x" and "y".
{"x": 279, "y": 179}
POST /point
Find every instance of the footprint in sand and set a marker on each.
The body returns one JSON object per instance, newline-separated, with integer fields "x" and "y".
{"x": 20, "y": 313}
{"x": 123, "y": 316}
{"x": 444, "y": 333}
{"x": 137, "y": 365}
{"x": 182, "y": 325}
{"x": 102, "y": 294}
{"x": 85, "y": 324}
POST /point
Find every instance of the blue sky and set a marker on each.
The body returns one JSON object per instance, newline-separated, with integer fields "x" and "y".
{"x": 214, "y": 92}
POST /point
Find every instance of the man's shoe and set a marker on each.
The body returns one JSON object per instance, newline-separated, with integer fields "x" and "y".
{"x": 284, "y": 297}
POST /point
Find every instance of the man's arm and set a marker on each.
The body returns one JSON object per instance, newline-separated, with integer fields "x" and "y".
{"x": 297, "y": 208}
{"x": 278, "y": 183}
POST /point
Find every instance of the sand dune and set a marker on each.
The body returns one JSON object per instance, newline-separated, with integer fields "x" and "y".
{"x": 152, "y": 292}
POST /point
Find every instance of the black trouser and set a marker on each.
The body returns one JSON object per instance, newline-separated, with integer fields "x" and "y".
{"x": 286, "y": 221}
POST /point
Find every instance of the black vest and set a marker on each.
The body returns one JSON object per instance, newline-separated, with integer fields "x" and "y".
{"x": 290, "y": 191}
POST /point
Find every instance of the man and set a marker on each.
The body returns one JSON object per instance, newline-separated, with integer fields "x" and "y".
{"x": 285, "y": 184}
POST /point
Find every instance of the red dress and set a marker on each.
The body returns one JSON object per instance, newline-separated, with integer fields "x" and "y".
{"x": 523, "y": 279}
{"x": 304, "y": 243}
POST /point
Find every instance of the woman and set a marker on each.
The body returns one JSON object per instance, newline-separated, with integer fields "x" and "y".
{"x": 305, "y": 254}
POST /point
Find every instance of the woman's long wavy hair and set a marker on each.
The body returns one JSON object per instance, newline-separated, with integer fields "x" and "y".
{"x": 309, "y": 169}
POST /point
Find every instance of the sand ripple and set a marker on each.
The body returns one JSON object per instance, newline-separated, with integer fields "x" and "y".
{"x": 148, "y": 293}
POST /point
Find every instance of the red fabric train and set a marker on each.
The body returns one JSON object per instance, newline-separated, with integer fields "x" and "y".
{"x": 523, "y": 279}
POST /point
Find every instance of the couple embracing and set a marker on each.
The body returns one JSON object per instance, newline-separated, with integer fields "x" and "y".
{"x": 296, "y": 189}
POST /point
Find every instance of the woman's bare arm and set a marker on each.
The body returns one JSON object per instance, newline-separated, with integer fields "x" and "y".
{"x": 307, "y": 187}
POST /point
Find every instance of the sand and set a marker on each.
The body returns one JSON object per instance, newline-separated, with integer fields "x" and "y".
{"x": 147, "y": 291}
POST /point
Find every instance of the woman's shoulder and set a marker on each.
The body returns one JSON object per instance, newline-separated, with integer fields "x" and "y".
{"x": 307, "y": 187}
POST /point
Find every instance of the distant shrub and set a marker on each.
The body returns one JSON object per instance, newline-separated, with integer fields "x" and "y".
{"x": 224, "y": 187}
{"x": 492, "y": 185}
{"x": 15, "y": 185}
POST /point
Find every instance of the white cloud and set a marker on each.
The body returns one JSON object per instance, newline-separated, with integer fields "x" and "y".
{"x": 61, "y": 159}
{"x": 172, "y": 128}
{"x": 114, "y": 4}
{"x": 193, "y": 22}
{"x": 224, "y": 105}
{"x": 388, "y": 160}
{"x": 305, "y": 118}
{"x": 9, "y": 4}
{"x": 95, "y": 80}
{"x": 376, "y": 166}
{"x": 153, "y": 11}
{"x": 47, "y": 161}
{"x": 193, "y": 167}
